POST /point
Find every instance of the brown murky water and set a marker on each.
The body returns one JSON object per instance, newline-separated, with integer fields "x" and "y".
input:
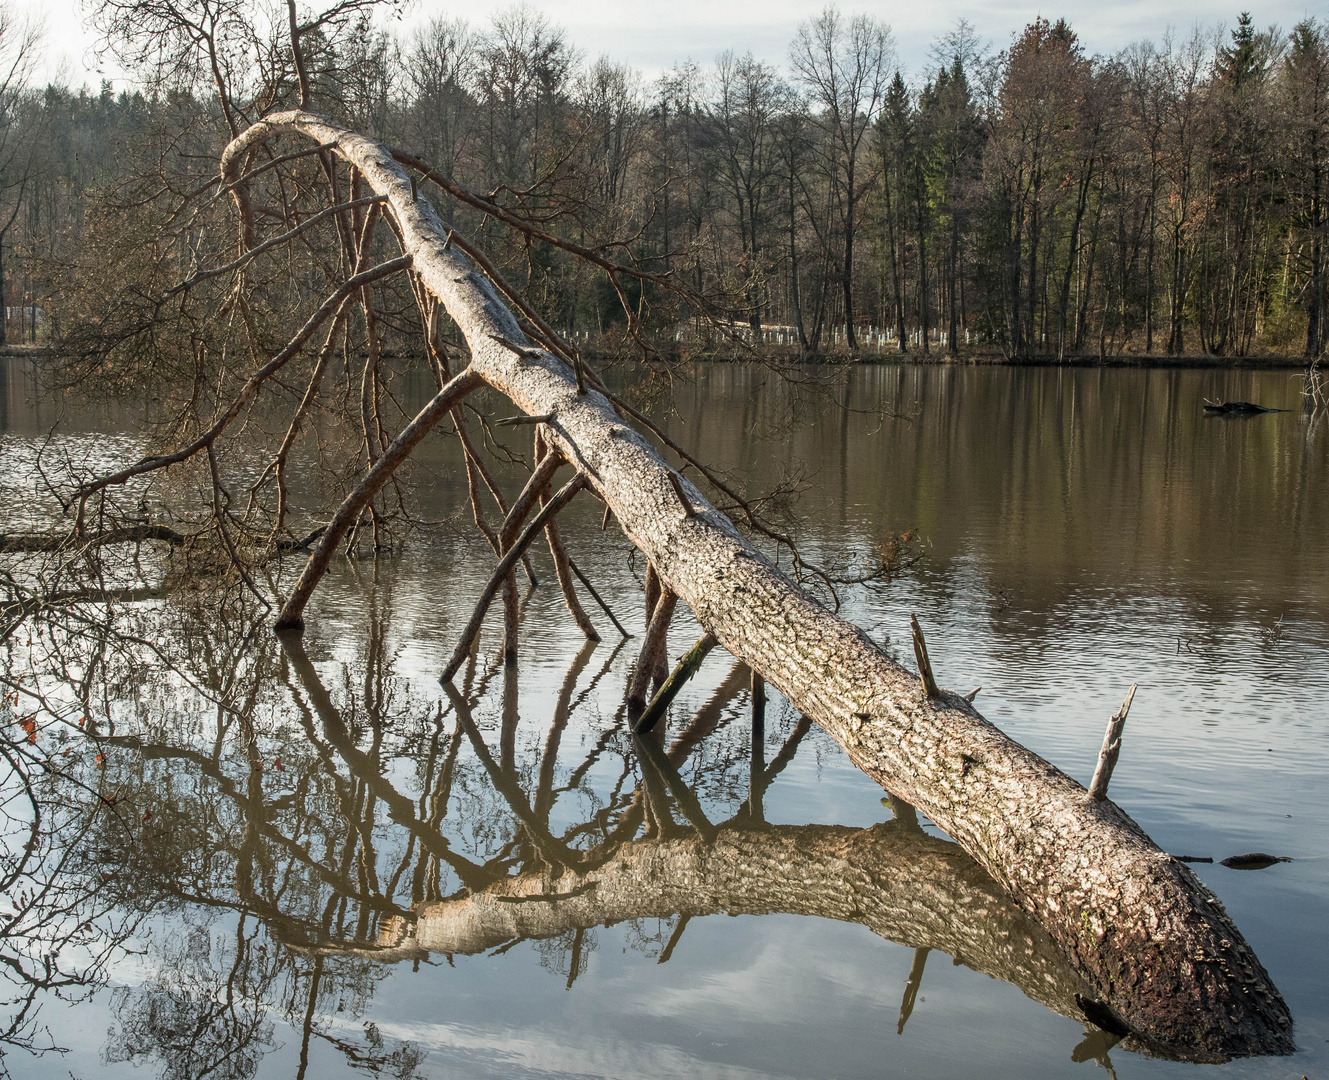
{"x": 233, "y": 888}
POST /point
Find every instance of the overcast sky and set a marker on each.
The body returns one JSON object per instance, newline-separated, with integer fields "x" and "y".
{"x": 655, "y": 36}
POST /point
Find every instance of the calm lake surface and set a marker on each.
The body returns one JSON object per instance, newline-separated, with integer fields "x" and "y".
{"x": 243, "y": 836}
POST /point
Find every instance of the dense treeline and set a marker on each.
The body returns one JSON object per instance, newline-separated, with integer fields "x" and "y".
{"x": 1038, "y": 201}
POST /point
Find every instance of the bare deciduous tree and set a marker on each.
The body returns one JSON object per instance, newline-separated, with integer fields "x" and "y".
{"x": 846, "y": 64}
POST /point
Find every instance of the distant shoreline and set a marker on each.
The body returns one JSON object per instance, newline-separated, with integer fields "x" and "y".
{"x": 934, "y": 359}
{"x": 997, "y": 359}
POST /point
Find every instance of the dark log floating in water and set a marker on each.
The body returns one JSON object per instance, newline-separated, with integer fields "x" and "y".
{"x": 70, "y": 540}
{"x": 1151, "y": 940}
{"x": 1236, "y": 407}
{"x": 1255, "y": 860}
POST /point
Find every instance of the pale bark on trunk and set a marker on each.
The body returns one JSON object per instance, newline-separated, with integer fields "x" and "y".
{"x": 1152, "y": 940}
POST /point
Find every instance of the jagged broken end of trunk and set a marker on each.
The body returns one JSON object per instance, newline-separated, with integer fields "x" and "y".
{"x": 1199, "y": 995}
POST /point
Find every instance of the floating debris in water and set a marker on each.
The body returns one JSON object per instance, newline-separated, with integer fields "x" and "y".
{"x": 1255, "y": 860}
{"x": 1239, "y": 408}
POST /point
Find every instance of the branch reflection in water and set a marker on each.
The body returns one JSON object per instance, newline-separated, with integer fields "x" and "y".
{"x": 288, "y": 829}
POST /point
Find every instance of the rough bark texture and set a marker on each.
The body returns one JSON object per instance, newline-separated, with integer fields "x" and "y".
{"x": 1155, "y": 944}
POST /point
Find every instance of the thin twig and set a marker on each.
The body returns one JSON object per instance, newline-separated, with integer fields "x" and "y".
{"x": 603, "y": 606}
{"x": 514, "y": 421}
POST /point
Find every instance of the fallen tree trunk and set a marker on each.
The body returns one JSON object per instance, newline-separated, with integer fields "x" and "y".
{"x": 1152, "y": 940}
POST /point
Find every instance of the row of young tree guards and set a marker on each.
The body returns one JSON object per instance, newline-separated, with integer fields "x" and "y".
{"x": 1036, "y": 200}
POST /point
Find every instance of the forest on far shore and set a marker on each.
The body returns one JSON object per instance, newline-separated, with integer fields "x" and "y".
{"x": 1034, "y": 200}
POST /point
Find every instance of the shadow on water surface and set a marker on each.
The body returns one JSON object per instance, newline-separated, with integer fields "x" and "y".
{"x": 260, "y": 837}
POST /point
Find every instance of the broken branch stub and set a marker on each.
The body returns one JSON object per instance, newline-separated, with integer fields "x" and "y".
{"x": 1107, "y": 756}
{"x": 1149, "y": 937}
{"x": 924, "y": 664}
